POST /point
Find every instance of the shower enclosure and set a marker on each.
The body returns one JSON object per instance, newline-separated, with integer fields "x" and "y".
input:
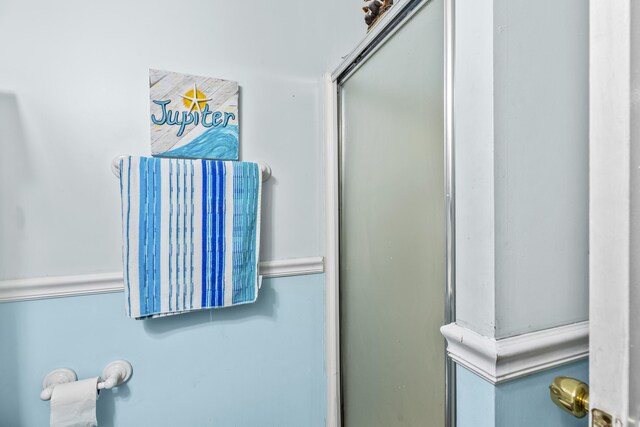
{"x": 395, "y": 224}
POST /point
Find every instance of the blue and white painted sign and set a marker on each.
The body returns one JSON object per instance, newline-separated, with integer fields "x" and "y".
{"x": 193, "y": 117}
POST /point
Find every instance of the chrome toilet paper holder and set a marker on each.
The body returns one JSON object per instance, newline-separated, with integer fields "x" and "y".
{"x": 114, "y": 374}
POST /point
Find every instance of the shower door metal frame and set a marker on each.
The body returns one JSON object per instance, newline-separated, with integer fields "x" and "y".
{"x": 391, "y": 22}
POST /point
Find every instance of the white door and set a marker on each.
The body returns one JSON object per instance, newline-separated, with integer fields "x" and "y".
{"x": 614, "y": 213}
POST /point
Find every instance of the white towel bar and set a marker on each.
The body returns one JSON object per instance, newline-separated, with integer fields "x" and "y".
{"x": 115, "y": 168}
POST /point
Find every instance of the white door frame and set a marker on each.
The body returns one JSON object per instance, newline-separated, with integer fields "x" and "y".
{"x": 611, "y": 241}
{"x": 388, "y": 25}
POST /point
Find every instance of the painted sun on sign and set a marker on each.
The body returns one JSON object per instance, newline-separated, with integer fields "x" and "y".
{"x": 193, "y": 117}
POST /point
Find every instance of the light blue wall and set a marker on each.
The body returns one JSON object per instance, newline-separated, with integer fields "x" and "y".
{"x": 519, "y": 403}
{"x": 254, "y": 365}
{"x": 476, "y": 400}
{"x": 525, "y": 402}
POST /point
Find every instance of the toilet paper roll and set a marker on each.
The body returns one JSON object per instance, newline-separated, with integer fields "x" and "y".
{"x": 74, "y": 404}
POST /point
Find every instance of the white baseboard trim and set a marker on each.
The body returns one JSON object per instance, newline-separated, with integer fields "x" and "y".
{"x": 506, "y": 359}
{"x": 90, "y": 284}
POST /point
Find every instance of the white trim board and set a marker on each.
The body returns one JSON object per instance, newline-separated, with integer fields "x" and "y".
{"x": 613, "y": 207}
{"x": 91, "y": 284}
{"x": 332, "y": 225}
{"x": 506, "y": 359}
{"x": 292, "y": 267}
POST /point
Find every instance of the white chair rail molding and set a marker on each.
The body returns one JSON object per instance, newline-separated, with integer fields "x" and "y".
{"x": 500, "y": 360}
{"x": 91, "y": 284}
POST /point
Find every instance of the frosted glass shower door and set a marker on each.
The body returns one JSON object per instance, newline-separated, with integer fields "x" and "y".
{"x": 392, "y": 230}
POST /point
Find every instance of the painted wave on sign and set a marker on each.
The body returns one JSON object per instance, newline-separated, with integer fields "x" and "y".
{"x": 216, "y": 143}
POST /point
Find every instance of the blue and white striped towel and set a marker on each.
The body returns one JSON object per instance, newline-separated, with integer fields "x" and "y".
{"x": 191, "y": 234}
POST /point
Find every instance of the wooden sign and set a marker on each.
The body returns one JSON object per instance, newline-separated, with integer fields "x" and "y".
{"x": 193, "y": 117}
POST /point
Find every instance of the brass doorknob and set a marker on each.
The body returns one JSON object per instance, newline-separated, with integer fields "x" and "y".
{"x": 571, "y": 395}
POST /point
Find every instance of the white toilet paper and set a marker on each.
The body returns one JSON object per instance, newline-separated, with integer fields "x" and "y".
{"x": 74, "y": 404}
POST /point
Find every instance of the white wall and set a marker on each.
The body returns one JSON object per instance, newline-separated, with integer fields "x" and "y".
{"x": 474, "y": 135}
{"x": 541, "y": 163}
{"x": 74, "y": 94}
{"x": 634, "y": 347}
{"x": 521, "y": 133}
